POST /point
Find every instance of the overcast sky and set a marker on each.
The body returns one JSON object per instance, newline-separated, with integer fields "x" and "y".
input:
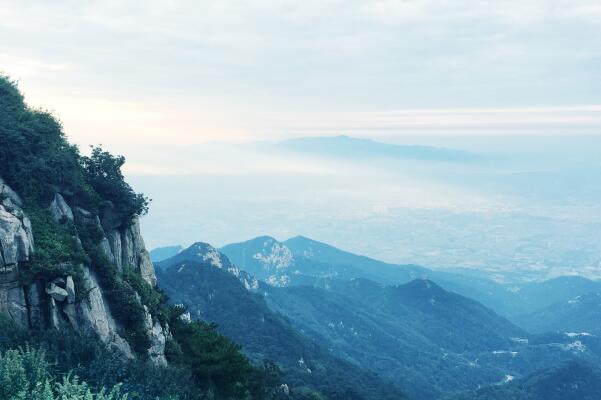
{"x": 121, "y": 72}
{"x": 157, "y": 80}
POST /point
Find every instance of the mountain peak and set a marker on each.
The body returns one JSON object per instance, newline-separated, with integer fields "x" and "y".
{"x": 348, "y": 146}
{"x": 200, "y": 252}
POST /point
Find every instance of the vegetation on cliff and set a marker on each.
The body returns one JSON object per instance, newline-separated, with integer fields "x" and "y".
{"x": 38, "y": 163}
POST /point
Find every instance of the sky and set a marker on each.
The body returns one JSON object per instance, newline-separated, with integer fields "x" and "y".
{"x": 186, "y": 89}
{"x": 125, "y": 72}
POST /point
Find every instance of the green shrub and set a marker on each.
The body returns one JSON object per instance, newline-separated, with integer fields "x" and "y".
{"x": 102, "y": 171}
{"x": 25, "y": 374}
{"x": 217, "y": 363}
{"x": 57, "y": 252}
{"x": 150, "y": 296}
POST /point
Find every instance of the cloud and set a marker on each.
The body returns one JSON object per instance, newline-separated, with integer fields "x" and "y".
{"x": 191, "y": 72}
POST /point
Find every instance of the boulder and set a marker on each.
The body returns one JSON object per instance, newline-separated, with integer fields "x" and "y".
{"x": 60, "y": 209}
{"x": 56, "y": 292}
{"x": 94, "y": 315}
{"x": 7, "y": 193}
{"x": 70, "y": 288}
{"x": 109, "y": 218}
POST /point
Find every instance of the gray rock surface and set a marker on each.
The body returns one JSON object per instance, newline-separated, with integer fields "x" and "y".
{"x": 122, "y": 245}
{"x": 60, "y": 209}
{"x": 156, "y": 352}
{"x": 56, "y": 292}
{"x": 94, "y": 315}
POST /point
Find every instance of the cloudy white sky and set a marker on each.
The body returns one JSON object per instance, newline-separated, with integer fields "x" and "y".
{"x": 156, "y": 81}
{"x": 193, "y": 71}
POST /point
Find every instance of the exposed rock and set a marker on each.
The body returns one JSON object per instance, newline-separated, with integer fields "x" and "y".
{"x": 186, "y": 317}
{"x": 71, "y": 313}
{"x": 9, "y": 194}
{"x": 284, "y": 389}
{"x": 114, "y": 239}
{"x": 43, "y": 305}
{"x": 57, "y": 293}
{"x": 127, "y": 249}
{"x": 83, "y": 213}
{"x": 156, "y": 352}
{"x": 110, "y": 218}
{"x": 146, "y": 268}
{"x": 59, "y": 282}
{"x": 107, "y": 251}
{"x": 94, "y": 315}
{"x": 34, "y": 299}
{"x": 16, "y": 245}
{"x": 13, "y": 303}
{"x": 16, "y": 239}
{"x": 54, "y": 318}
{"x": 60, "y": 209}
{"x": 70, "y": 287}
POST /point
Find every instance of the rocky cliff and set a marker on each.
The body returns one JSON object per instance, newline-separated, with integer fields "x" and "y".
{"x": 56, "y": 303}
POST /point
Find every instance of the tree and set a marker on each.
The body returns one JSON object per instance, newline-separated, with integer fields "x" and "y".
{"x": 103, "y": 172}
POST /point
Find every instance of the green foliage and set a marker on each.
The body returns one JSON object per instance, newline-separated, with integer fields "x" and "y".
{"x": 25, "y": 374}
{"x": 216, "y": 362}
{"x": 36, "y": 159}
{"x": 57, "y": 252}
{"x": 126, "y": 306}
{"x": 305, "y": 393}
{"x": 34, "y": 154}
{"x": 153, "y": 298}
{"x": 103, "y": 172}
{"x": 235, "y": 309}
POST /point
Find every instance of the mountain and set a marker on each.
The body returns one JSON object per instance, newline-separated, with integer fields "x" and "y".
{"x": 580, "y": 315}
{"x": 80, "y": 313}
{"x": 70, "y": 236}
{"x": 538, "y": 295}
{"x": 163, "y": 253}
{"x": 417, "y": 334}
{"x": 301, "y": 260}
{"x": 215, "y": 290}
{"x": 574, "y": 380}
{"x": 426, "y": 339}
{"x": 350, "y": 147}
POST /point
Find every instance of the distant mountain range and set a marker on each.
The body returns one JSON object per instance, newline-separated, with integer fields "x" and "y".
{"x": 216, "y": 291}
{"x": 351, "y": 147}
{"x": 301, "y": 260}
{"x": 163, "y": 253}
{"x": 578, "y": 316}
{"x": 574, "y": 380}
{"x": 335, "y": 307}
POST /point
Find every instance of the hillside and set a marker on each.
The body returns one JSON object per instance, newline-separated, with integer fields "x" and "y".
{"x": 578, "y": 315}
{"x": 425, "y": 339}
{"x": 301, "y": 260}
{"x": 304, "y": 261}
{"x": 571, "y": 381}
{"x": 417, "y": 335}
{"x": 78, "y": 295}
{"x": 215, "y": 290}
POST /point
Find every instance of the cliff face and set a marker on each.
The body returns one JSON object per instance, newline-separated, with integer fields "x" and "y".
{"x": 56, "y": 304}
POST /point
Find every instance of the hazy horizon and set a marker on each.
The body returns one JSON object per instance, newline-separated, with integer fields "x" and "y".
{"x": 196, "y": 96}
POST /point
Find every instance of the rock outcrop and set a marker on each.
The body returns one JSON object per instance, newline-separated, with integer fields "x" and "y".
{"x": 16, "y": 245}
{"x": 55, "y": 304}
